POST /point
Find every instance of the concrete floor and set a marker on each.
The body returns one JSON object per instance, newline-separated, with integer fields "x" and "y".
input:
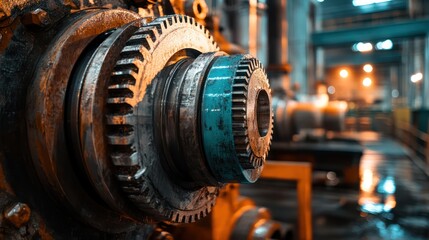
{"x": 392, "y": 201}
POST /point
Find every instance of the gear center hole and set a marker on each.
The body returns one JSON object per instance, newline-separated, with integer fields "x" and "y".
{"x": 263, "y": 112}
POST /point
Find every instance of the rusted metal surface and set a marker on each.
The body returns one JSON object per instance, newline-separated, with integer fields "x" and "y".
{"x": 87, "y": 130}
{"x": 45, "y": 117}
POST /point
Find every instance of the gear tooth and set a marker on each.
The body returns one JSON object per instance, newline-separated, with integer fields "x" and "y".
{"x": 253, "y": 63}
{"x": 175, "y": 19}
{"x": 119, "y": 100}
{"x": 120, "y": 140}
{"x": 166, "y": 24}
{"x": 123, "y": 77}
{"x": 120, "y": 119}
{"x": 120, "y": 91}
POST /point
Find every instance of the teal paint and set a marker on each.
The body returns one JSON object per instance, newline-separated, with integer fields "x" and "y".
{"x": 216, "y": 121}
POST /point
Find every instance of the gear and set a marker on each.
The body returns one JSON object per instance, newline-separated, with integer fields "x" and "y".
{"x": 239, "y": 110}
{"x": 236, "y": 141}
{"x": 151, "y": 48}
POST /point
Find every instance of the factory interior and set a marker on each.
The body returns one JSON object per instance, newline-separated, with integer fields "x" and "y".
{"x": 214, "y": 119}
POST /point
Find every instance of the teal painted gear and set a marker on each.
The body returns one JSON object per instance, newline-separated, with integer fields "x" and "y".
{"x": 235, "y": 142}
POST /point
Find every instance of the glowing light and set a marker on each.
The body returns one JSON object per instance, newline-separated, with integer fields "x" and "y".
{"x": 387, "y": 186}
{"x": 384, "y": 45}
{"x": 367, "y": 82}
{"x": 320, "y": 0}
{"x": 395, "y": 93}
{"x": 331, "y": 176}
{"x": 358, "y": 3}
{"x": 367, "y": 183}
{"x": 416, "y": 77}
{"x": 344, "y": 73}
{"x": 373, "y": 208}
{"x": 342, "y": 105}
{"x": 377, "y": 207}
{"x": 390, "y": 203}
{"x": 362, "y": 47}
{"x": 367, "y": 68}
{"x": 331, "y": 89}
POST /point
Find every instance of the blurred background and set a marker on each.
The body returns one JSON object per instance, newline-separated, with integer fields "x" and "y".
{"x": 350, "y": 81}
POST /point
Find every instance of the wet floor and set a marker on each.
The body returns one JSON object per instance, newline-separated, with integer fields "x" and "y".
{"x": 392, "y": 201}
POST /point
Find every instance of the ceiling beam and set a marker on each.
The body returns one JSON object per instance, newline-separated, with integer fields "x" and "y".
{"x": 383, "y": 57}
{"x": 405, "y": 29}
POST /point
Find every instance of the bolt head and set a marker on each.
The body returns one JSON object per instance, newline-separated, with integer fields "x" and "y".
{"x": 18, "y": 214}
{"x": 35, "y": 18}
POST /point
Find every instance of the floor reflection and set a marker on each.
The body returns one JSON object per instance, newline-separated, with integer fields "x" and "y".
{"x": 383, "y": 204}
{"x": 391, "y": 201}
{"x": 377, "y": 193}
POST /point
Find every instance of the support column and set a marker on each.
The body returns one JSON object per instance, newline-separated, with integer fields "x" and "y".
{"x": 418, "y": 68}
{"x": 390, "y": 85}
{"x": 395, "y": 79}
{"x": 298, "y": 13}
{"x": 278, "y": 68}
{"x": 317, "y": 71}
{"x": 245, "y": 20}
{"x": 425, "y": 84}
{"x": 407, "y": 92}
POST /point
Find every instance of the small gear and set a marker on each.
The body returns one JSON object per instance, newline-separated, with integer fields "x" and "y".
{"x": 239, "y": 109}
{"x": 237, "y": 135}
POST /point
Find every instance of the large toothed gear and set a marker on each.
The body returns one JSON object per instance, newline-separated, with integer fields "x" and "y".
{"x": 162, "y": 42}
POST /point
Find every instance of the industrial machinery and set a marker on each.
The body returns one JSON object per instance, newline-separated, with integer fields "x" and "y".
{"x": 314, "y": 132}
{"x": 116, "y": 116}
{"x": 235, "y": 217}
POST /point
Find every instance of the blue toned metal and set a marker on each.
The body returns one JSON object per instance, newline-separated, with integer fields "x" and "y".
{"x": 216, "y": 112}
{"x": 217, "y": 122}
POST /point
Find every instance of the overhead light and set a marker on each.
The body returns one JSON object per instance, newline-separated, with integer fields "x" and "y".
{"x": 344, "y": 73}
{"x": 358, "y": 3}
{"x": 362, "y": 47}
{"x": 320, "y": 0}
{"x": 416, "y": 77}
{"x": 367, "y": 82}
{"x": 384, "y": 45}
{"x": 367, "y": 68}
